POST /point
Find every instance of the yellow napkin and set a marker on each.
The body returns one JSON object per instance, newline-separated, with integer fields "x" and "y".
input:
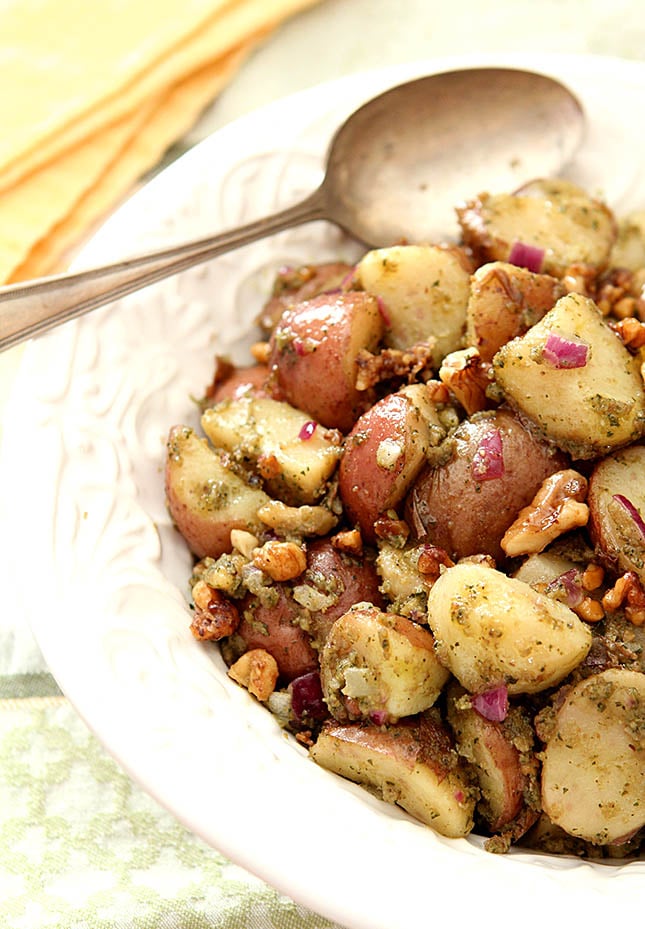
{"x": 98, "y": 93}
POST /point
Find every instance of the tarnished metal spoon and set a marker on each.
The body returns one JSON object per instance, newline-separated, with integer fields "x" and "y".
{"x": 395, "y": 170}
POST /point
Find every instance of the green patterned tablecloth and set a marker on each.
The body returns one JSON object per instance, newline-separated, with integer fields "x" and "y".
{"x": 82, "y": 847}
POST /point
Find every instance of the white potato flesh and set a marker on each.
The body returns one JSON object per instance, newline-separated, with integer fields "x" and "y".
{"x": 491, "y": 629}
{"x": 270, "y": 434}
{"x": 397, "y": 568}
{"x": 571, "y": 227}
{"x": 401, "y": 767}
{"x": 593, "y": 773}
{"x": 377, "y": 663}
{"x": 205, "y": 499}
{"x": 590, "y": 410}
{"x": 424, "y": 289}
{"x": 617, "y": 506}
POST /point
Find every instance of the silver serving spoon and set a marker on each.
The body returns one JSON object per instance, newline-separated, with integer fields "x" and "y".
{"x": 395, "y": 170}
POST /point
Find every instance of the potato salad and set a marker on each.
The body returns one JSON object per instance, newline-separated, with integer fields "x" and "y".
{"x": 418, "y": 521}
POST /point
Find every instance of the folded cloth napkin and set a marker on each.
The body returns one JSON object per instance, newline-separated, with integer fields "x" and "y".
{"x": 93, "y": 96}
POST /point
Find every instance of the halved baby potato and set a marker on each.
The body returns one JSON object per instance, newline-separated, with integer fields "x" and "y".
{"x": 379, "y": 666}
{"x": 575, "y": 380}
{"x": 504, "y": 302}
{"x": 616, "y": 502}
{"x": 570, "y": 227}
{"x": 491, "y": 629}
{"x": 424, "y": 289}
{"x": 205, "y": 498}
{"x": 412, "y": 764}
{"x": 385, "y": 452}
{"x": 293, "y": 454}
{"x": 593, "y": 770}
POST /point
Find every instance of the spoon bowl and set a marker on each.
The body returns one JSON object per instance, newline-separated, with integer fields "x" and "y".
{"x": 395, "y": 170}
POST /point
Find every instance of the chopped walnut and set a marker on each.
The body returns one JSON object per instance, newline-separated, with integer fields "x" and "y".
{"x": 409, "y": 364}
{"x": 466, "y": 376}
{"x": 349, "y": 541}
{"x": 628, "y": 593}
{"x": 579, "y": 279}
{"x": 215, "y": 616}
{"x": 431, "y": 560}
{"x": 256, "y": 670}
{"x": 391, "y": 529}
{"x": 303, "y": 520}
{"x": 282, "y": 561}
{"x": 590, "y": 610}
{"x": 556, "y": 508}
{"x": 619, "y": 294}
{"x": 631, "y": 332}
{"x": 592, "y": 576}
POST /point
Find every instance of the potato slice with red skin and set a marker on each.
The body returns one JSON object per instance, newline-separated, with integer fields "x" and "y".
{"x": 412, "y": 764}
{"x": 350, "y": 580}
{"x": 239, "y": 382}
{"x": 293, "y": 285}
{"x": 274, "y": 627}
{"x": 616, "y": 501}
{"x": 571, "y": 227}
{"x": 594, "y": 760}
{"x": 298, "y": 616}
{"x": 313, "y": 356}
{"x": 379, "y": 666}
{"x": 484, "y": 743}
{"x": 504, "y": 302}
{"x": 384, "y": 453}
{"x": 205, "y": 499}
{"x": 451, "y": 507}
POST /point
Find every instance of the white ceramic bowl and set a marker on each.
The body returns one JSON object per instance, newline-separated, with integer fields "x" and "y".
{"x": 101, "y": 575}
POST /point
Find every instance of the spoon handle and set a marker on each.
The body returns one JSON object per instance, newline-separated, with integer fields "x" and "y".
{"x": 32, "y": 307}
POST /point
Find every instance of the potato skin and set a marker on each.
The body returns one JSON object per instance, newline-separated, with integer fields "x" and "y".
{"x": 451, "y": 509}
{"x": 313, "y": 356}
{"x": 504, "y": 302}
{"x": 205, "y": 499}
{"x": 292, "y": 632}
{"x": 618, "y": 538}
{"x": 383, "y": 455}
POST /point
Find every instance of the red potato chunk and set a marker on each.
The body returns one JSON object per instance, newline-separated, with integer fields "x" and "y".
{"x": 465, "y": 505}
{"x": 293, "y": 285}
{"x": 238, "y": 382}
{"x": 384, "y": 454}
{"x": 314, "y": 356}
{"x": 274, "y": 627}
{"x": 504, "y": 302}
{"x": 205, "y": 499}
{"x": 295, "y": 619}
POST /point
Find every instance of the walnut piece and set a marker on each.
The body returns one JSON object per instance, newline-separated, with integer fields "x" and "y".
{"x": 303, "y": 520}
{"x": 466, "y": 376}
{"x": 282, "y": 561}
{"x": 215, "y": 616}
{"x": 256, "y": 670}
{"x": 557, "y": 508}
{"x": 628, "y": 593}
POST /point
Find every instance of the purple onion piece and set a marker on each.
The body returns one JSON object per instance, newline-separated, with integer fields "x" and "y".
{"x": 636, "y": 517}
{"x": 488, "y": 460}
{"x": 307, "y": 430}
{"x": 492, "y": 704}
{"x": 571, "y": 583}
{"x": 307, "y": 697}
{"x": 526, "y": 256}
{"x": 565, "y": 353}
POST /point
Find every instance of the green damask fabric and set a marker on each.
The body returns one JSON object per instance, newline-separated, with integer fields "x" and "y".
{"x": 82, "y": 847}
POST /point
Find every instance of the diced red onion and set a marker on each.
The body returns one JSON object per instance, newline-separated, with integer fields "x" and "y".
{"x": 307, "y": 430}
{"x": 492, "y": 704}
{"x": 565, "y": 353}
{"x": 299, "y": 347}
{"x": 378, "y": 717}
{"x": 307, "y": 697}
{"x": 348, "y": 280}
{"x": 632, "y": 511}
{"x": 488, "y": 460}
{"x": 571, "y": 583}
{"x": 526, "y": 256}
